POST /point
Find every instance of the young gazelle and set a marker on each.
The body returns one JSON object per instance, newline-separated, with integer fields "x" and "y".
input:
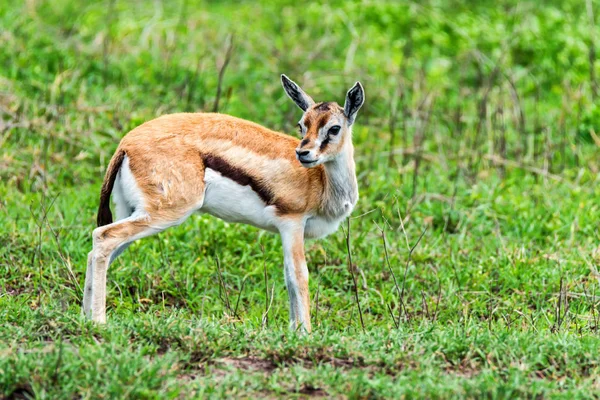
{"x": 175, "y": 165}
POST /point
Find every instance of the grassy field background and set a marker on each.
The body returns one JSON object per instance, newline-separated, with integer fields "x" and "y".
{"x": 480, "y": 132}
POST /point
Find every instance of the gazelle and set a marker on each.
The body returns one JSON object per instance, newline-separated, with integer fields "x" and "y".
{"x": 168, "y": 168}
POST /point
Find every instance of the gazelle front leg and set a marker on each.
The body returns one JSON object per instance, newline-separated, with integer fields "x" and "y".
{"x": 296, "y": 275}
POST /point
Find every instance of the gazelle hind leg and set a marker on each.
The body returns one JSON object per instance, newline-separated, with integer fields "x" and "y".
{"x": 181, "y": 189}
{"x": 87, "y": 288}
{"x": 110, "y": 239}
{"x": 122, "y": 210}
{"x": 106, "y": 240}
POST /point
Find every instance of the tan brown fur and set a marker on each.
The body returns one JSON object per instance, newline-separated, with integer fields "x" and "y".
{"x": 169, "y": 148}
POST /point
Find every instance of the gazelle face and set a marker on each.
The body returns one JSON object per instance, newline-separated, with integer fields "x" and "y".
{"x": 325, "y": 127}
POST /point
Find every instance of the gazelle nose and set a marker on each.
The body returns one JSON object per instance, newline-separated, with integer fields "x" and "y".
{"x": 302, "y": 153}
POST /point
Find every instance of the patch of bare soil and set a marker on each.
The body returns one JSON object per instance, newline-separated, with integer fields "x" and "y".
{"x": 249, "y": 363}
{"x": 311, "y": 391}
{"x": 223, "y": 366}
{"x": 23, "y": 391}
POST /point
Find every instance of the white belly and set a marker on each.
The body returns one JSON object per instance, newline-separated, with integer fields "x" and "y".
{"x": 226, "y": 199}
{"x": 317, "y": 227}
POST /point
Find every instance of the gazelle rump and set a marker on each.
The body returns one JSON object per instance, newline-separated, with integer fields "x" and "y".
{"x": 168, "y": 168}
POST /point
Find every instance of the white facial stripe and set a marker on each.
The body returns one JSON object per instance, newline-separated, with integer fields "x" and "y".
{"x": 333, "y": 122}
{"x": 302, "y": 127}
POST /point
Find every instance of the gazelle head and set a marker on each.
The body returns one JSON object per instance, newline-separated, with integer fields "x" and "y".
{"x": 325, "y": 127}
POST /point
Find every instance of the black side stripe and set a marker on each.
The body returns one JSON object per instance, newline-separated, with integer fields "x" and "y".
{"x": 240, "y": 176}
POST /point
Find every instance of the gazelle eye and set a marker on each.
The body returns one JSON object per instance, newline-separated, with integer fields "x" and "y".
{"x": 334, "y": 130}
{"x": 299, "y": 129}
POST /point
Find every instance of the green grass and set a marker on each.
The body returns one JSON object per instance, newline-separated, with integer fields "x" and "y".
{"x": 480, "y": 128}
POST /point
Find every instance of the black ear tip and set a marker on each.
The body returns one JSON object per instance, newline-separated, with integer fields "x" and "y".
{"x": 356, "y": 89}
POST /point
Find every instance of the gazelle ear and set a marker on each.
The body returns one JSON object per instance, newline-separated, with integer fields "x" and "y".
{"x": 301, "y": 99}
{"x": 354, "y": 100}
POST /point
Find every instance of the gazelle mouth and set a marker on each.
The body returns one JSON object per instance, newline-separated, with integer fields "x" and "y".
{"x": 306, "y": 162}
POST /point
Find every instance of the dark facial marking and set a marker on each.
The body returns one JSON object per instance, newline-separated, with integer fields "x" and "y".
{"x": 307, "y": 122}
{"x": 240, "y": 176}
{"x": 322, "y": 121}
{"x": 324, "y": 144}
{"x": 326, "y": 106}
{"x": 304, "y": 142}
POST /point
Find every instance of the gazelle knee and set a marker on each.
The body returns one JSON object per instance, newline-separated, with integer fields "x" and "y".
{"x": 103, "y": 247}
{"x": 97, "y": 237}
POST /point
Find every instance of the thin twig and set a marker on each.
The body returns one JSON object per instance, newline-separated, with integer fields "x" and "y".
{"x": 558, "y": 321}
{"x": 266, "y": 316}
{"x": 424, "y": 304}
{"x": 350, "y": 265}
{"x": 237, "y": 303}
{"x": 318, "y": 292}
{"x": 55, "y": 375}
{"x": 387, "y": 259}
{"x": 407, "y": 264}
{"x": 437, "y": 302}
{"x": 228, "y": 53}
{"x": 397, "y": 324}
{"x": 222, "y": 283}
{"x": 63, "y": 257}
{"x": 38, "y": 252}
{"x": 403, "y": 229}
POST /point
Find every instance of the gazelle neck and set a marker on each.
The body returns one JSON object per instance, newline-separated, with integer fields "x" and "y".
{"x": 341, "y": 187}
